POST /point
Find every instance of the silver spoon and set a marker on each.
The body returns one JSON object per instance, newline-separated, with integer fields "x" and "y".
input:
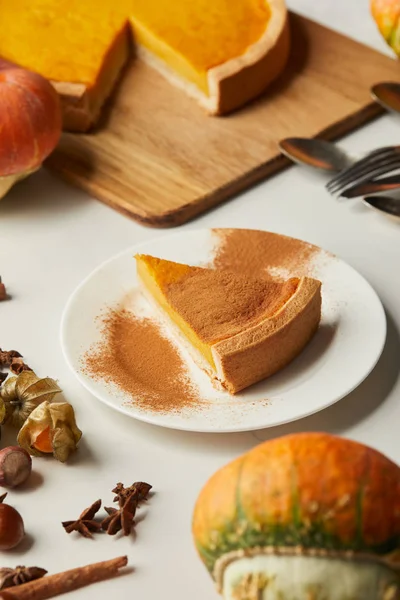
{"x": 387, "y": 94}
{"x": 329, "y": 157}
{"x": 391, "y": 206}
{"x": 316, "y": 153}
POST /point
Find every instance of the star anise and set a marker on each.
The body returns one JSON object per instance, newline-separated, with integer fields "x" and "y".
{"x": 11, "y": 359}
{"x": 140, "y": 489}
{"x": 19, "y": 575}
{"x": 18, "y": 365}
{"x": 86, "y": 523}
{"x": 7, "y": 356}
{"x": 121, "y": 518}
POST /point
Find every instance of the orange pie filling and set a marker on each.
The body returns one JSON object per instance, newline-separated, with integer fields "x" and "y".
{"x": 193, "y": 37}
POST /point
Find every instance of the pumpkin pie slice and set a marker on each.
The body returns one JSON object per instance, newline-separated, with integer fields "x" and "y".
{"x": 239, "y": 330}
{"x": 223, "y": 53}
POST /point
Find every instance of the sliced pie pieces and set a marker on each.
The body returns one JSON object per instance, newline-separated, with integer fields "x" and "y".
{"x": 222, "y": 53}
{"x": 253, "y": 34}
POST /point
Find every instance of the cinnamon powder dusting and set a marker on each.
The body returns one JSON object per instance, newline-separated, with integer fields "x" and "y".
{"x": 263, "y": 254}
{"x": 140, "y": 360}
{"x": 225, "y": 303}
{"x": 134, "y": 355}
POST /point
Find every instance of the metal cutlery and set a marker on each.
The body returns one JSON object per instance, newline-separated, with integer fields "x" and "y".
{"x": 320, "y": 154}
{"x": 385, "y": 184}
{"x": 328, "y": 157}
{"x": 316, "y": 153}
{"x": 355, "y": 177}
{"x": 390, "y": 206}
{"x": 376, "y": 163}
{"x": 387, "y": 94}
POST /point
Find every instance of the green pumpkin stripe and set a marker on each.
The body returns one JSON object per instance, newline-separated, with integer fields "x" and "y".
{"x": 296, "y": 511}
{"x": 360, "y": 514}
{"x": 240, "y": 533}
{"x": 240, "y": 513}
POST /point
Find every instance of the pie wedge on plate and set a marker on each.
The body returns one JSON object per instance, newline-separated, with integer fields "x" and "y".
{"x": 239, "y": 330}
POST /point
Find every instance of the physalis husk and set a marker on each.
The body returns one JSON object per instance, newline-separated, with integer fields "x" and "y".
{"x": 50, "y": 429}
{"x": 23, "y": 393}
{"x": 2, "y": 410}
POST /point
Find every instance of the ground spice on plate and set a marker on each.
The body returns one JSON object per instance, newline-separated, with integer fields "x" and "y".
{"x": 225, "y": 302}
{"x": 263, "y": 254}
{"x": 136, "y": 356}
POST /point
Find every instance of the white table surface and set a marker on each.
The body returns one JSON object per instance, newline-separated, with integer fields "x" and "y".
{"x": 52, "y": 236}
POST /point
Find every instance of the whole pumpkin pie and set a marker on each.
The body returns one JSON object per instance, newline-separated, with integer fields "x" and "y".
{"x": 222, "y": 53}
{"x": 239, "y": 330}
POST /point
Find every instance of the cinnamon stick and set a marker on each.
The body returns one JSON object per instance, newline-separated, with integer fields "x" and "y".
{"x": 61, "y": 583}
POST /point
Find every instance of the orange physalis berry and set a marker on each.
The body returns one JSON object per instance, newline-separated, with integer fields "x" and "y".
{"x": 50, "y": 429}
{"x": 43, "y": 441}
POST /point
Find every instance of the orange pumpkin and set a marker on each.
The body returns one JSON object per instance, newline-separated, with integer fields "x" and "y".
{"x": 309, "y": 493}
{"x": 30, "y": 123}
{"x": 387, "y": 16}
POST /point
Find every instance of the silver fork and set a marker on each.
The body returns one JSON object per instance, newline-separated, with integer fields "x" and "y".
{"x": 376, "y": 163}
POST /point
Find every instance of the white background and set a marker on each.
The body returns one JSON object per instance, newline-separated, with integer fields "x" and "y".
{"x": 52, "y": 236}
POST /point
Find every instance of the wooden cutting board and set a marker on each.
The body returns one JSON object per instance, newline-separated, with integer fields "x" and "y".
{"x": 159, "y": 159}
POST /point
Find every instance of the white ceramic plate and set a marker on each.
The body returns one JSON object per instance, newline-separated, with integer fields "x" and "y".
{"x": 342, "y": 353}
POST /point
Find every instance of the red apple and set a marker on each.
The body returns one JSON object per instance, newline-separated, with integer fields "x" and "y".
{"x": 30, "y": 122}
